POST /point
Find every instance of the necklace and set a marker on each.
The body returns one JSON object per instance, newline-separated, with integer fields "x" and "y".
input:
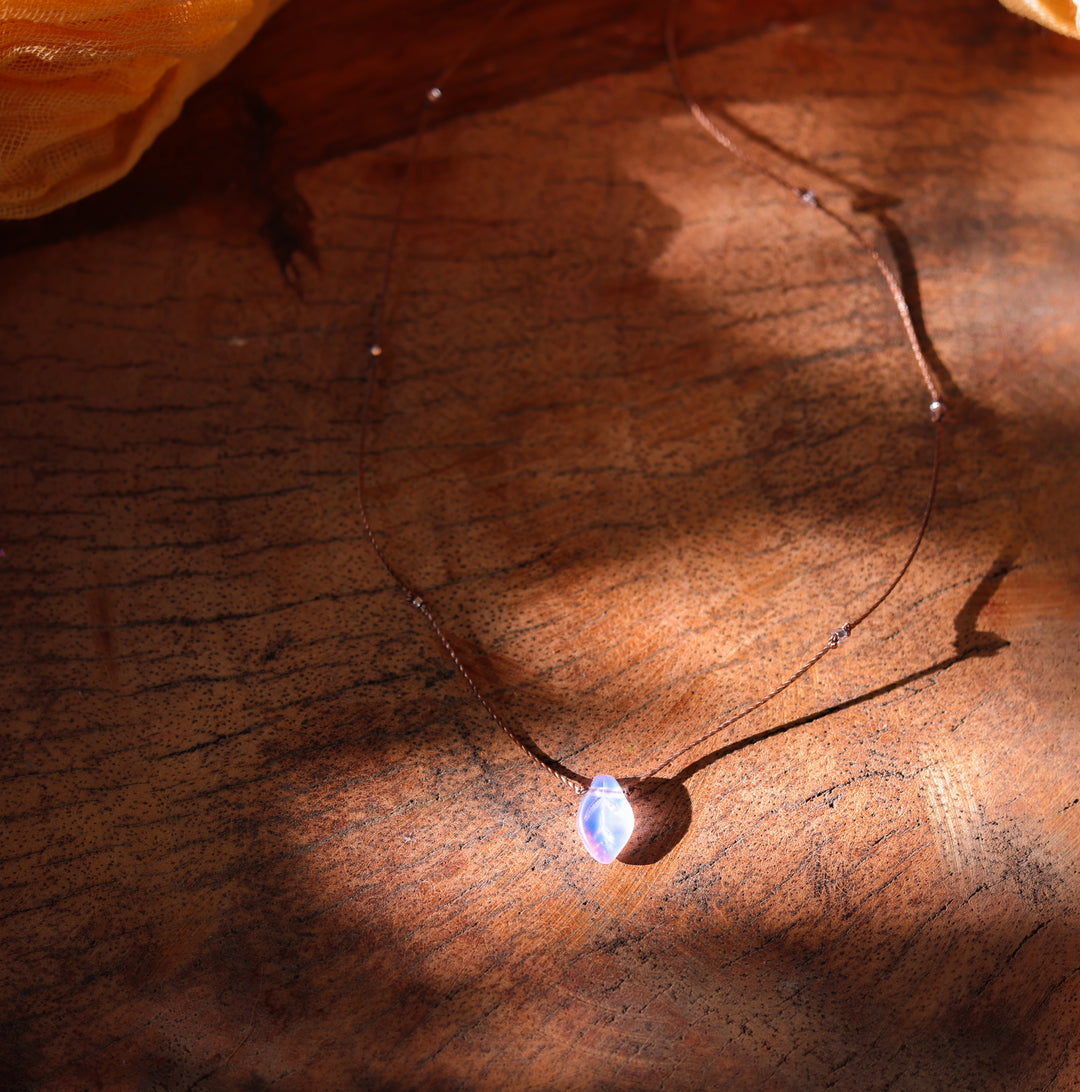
{"x": 605, "y": 817}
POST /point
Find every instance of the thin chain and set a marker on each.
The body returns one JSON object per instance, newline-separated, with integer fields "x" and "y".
{"x": 432, "y": 98}
{"x": 421, "y": 604}
{"x": 838, "y": 635}
{"x": 807, "y": 197}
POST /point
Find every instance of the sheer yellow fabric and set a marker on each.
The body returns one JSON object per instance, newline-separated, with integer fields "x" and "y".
{"x": 1060, "y": 15}
{"x": 86, "y": 85}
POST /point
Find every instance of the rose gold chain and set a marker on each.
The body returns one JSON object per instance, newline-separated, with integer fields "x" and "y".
{"x": 807, "y": 197}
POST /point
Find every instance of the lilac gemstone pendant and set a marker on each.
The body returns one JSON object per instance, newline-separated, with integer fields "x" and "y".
{"x": 605, "y": 819}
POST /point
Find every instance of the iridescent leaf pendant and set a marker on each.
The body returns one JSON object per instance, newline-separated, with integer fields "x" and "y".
{"x": 605, "y": 819}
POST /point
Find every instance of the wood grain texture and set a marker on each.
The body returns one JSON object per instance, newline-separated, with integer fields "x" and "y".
{"x": 646, "y": 432}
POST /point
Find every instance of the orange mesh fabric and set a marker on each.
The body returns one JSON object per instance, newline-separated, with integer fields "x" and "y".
{"x": 86, "y": 85}
{"x": 1060, "y": 15}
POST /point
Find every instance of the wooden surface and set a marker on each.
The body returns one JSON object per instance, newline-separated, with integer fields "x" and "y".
{"x": 647, "y": 431}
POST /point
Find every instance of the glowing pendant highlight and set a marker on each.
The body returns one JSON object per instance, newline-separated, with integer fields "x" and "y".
{"x": 605, "y": 819}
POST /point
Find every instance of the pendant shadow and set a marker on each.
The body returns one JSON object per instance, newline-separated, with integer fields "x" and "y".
{"x": 662, "y": 814}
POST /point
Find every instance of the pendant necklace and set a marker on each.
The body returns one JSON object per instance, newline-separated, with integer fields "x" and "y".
{"x": 605, "y": 817}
